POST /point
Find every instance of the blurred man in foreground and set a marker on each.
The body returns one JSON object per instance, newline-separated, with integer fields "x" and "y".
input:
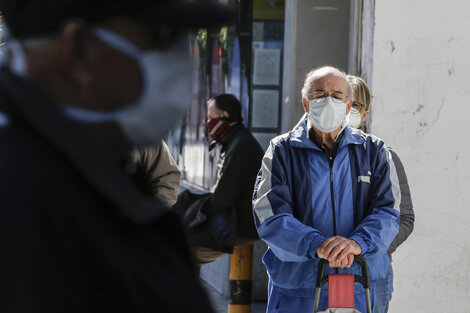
{"x": 82, "y": 83}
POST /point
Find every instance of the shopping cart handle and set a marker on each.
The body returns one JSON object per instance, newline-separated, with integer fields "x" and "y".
{"x": 364, "y": 279}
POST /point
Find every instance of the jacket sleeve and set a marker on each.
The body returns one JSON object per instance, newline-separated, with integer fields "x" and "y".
{"x": 407, "y": 215}
{"x": 164, "y": 175}
{"x": 377, "y": 230}
{"x": 288, "y": 238}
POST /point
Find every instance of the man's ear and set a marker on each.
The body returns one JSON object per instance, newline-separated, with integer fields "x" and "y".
{"x": 75, "y": 54}
{"x": 225, "y": 114}
{"x": 349, "y": 105}
{"x": 305, "y": 104}
{"x": 363, "y": 119}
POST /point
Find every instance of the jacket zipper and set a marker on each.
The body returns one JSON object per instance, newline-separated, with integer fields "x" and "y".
{"x": 330, "y": 160}
{"x": 330, "y": 163}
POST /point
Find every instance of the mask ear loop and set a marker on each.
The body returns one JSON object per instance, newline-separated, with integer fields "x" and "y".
{"x": 343, "y": 125}
{"x": 116, "y": 41}
{"x": 18, "y": 62}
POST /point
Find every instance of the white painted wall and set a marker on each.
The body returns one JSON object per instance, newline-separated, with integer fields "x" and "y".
{"x": 421, "y": 107}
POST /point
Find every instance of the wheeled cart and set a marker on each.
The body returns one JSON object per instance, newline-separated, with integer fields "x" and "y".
{"x": 341, "y": 288}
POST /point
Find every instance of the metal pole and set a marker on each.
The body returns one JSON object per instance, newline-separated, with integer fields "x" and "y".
{"x": 241, "y": 278}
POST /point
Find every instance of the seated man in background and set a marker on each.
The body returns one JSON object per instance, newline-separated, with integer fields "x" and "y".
{"x": 358, "y": 115}
{"x": 324, "y": 191}
{"x": 228, "y": 206}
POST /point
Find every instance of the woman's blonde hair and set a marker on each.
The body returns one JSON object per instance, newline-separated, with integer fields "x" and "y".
{"x": 360, "y": 90}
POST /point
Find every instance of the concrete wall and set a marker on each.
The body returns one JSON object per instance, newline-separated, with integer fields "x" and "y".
{"x": 420, "y": 106}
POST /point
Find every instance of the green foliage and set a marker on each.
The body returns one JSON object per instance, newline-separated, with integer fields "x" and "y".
{"x": 223, "y": 37}
{"x": 202, "y": 38}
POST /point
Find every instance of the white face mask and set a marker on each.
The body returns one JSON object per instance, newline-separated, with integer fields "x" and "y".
{"x": 355, "y": 118}
{"x": 165, "y": 95}
{"x": 327, "y": 114}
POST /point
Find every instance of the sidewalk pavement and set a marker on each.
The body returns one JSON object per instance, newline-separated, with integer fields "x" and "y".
{"x": 220, "y": 303}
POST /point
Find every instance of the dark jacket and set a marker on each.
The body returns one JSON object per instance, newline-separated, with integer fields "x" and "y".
{"x": 407, "y": 215}
{"x": 214, "y": 231}
{"x": 238, "y": 166}
{"x": 76, "y": 233}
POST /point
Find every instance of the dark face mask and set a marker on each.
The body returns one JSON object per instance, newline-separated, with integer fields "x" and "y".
{"x": 218, "y": 128}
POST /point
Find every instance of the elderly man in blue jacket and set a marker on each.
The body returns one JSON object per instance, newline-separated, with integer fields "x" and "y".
{"x": 324, "y": 191}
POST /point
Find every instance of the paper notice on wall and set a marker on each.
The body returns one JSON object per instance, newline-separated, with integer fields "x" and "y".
{"x": 265, "y": 108}
{"x": 258, "y": 31}
{"x": 267, "y": 66}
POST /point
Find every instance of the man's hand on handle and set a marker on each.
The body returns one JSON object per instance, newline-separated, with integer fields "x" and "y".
{"x": 339, "y": 251}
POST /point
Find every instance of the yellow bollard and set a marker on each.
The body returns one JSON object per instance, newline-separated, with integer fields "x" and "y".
{"x": 241, "y": 278}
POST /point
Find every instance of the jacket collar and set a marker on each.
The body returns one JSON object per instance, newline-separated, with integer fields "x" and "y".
{"x": 43, "y": 115}
{"x": 230, "y": 137}
{"x": 299, "y": 136}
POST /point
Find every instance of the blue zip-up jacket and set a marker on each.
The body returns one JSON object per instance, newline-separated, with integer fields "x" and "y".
{"x": 296, "y": 192}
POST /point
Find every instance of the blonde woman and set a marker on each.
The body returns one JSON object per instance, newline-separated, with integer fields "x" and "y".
{"x": 359, "y": 111}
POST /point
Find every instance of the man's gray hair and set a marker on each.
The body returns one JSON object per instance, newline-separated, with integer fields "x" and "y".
{"x": 311, "y": 75}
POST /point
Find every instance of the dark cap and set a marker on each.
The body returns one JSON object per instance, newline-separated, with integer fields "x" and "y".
{"x": 29, "y": 18}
